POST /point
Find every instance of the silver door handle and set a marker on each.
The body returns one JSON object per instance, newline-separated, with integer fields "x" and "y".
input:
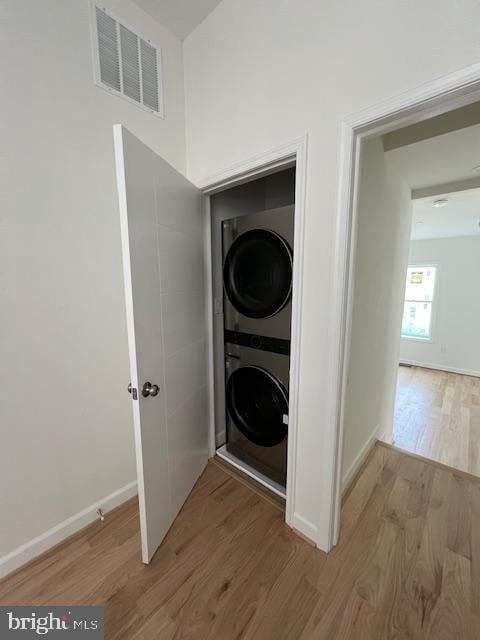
{"x": 150, "y": 389}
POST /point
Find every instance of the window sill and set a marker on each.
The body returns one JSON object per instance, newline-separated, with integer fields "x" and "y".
{"x": 415, "y": 339}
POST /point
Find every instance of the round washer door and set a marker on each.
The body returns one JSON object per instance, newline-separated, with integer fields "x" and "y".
{"x": 257, "y": 273}
{"x": 257, "y": 402}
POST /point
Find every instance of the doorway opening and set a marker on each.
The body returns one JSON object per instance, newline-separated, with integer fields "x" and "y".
{"x": 445, "y": 95}
{"x": 406, "y": 177}
{"x": 416, "y": 302}
{"x": 438, "y": 388}
{"x": 254, "y": 239}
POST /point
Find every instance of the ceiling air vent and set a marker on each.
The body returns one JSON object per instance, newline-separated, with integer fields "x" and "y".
{"x": 126, "y": 63}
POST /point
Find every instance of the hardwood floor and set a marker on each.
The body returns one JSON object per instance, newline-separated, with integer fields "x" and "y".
{"x": 407, "y": 565}
{"x": 437, "y": 415}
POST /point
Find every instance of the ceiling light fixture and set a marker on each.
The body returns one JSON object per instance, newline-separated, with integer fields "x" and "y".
{"x": 441, "y": 202}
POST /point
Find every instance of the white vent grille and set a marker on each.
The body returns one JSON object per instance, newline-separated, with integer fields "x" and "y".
{"x": 130, "y": 64}
{"x": 108, "y": 50}
{"x": 126, "y": 63}
{"x": 149, "y": 75}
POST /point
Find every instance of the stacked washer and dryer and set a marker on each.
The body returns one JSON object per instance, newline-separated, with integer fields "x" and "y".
{"x": 257, "y": 281}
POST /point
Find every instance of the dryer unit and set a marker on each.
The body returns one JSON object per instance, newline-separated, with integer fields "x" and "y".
{"x": 257, "y": 273}
{"x": 257, "y": 408}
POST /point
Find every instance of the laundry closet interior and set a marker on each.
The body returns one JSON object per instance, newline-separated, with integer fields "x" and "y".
{"x": 252, "y": 238}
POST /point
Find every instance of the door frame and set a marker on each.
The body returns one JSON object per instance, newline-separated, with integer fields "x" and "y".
{"x": 431, "y": 99}
{"x": 294, "y": 152}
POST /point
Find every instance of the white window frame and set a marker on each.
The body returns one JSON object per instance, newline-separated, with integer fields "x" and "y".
{"x": 96, "y": 61}
{"x": 424, "y": 265}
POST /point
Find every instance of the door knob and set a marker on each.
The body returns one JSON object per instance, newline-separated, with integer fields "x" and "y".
{"x": 150, "y": 389}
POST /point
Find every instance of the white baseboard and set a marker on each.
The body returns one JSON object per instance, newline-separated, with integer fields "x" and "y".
{"x": 33, "y": 548}
{"x": 377, "y": 434}
{"x": 305, "y": 527}
{"x": 440, "y": 367}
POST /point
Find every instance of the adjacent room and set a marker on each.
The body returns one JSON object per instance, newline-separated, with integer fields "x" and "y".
{"x": 437, "y": 404}
{"x": 437, "y": 409}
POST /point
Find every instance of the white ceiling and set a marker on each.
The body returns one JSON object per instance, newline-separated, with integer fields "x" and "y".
{"x": 178, "y": 16}
{"x": 460, "y": 217}
{"x": 446, "y": 158}
{"x": 441, "y": 160}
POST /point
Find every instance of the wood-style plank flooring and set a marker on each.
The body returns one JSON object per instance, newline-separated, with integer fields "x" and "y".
{"x": 407, "y": 565}
{"x": 437, "y": 415}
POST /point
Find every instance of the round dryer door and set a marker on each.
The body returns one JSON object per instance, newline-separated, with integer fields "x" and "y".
{"x": 257, "y": 273}
{"x": 257, "y": 403}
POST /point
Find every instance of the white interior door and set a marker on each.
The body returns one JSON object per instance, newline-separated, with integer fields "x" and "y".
{"x": 163, "y": 261}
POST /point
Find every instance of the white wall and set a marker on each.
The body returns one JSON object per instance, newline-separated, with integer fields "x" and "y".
{"x": 384, "y": 221}
{"x": 456, "y": 312}
{"x": 262, "y": 72}
{"x": 65, "y": 415}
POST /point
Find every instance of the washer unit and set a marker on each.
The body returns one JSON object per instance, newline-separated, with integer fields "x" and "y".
{"x": 257, "y": 278}
{"x": 257, "y": 408}
{"x": 257, "y": 273}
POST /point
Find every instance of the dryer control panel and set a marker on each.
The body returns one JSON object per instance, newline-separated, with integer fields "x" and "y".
{"x": 264, "y": 343}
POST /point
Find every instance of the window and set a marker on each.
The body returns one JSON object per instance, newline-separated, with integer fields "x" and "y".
{"x": 419, "y": 298}
{"x": 126, "y": 64}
